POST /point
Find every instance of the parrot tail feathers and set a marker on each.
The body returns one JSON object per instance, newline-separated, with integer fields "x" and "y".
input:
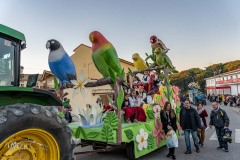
{"x": 112, "y": 74}
{"x": 71, "y": 76}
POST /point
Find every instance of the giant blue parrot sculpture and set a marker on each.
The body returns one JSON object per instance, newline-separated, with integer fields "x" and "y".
{"x": 60, "y": 63}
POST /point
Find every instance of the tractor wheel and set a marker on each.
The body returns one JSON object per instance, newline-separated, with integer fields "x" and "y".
{"x": 130, "y": 151}
{"x": 33, "y": 132}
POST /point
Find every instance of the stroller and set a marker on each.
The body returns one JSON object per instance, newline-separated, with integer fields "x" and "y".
{"x": 227, "y": 135}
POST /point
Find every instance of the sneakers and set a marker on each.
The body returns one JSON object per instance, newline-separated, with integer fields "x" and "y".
{"x": 188, "y": 152}
{"x": 173, "y": 157}
{"x": 168, "y": 155}
{"x": 201, "y": 145}
{"x": 198, "y": 150}
{"x": 226, "y": 150}
{"x": 219, "y": 147}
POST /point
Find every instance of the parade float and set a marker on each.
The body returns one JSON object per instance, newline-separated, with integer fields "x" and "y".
{"x": 40, "y": 132}
{"x": 109, "y": 130}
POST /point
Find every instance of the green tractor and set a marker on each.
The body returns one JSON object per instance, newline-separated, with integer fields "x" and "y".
{"x": 29, "y": 129}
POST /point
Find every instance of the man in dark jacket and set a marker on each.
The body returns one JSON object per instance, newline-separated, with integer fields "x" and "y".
{"x": 190, "y": 122}
{"x": 220, "y": 120}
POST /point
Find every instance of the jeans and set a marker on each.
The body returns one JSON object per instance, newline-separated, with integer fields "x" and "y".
{"x": 187, "y": 139}
{"x": 220, "y": 136}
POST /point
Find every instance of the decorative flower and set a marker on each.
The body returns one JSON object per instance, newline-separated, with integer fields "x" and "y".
{"x": 173, "y": 104}
{"x": 158, "y": 131}
{"x": 91, "y": 115}
{"x": 79, "y": 84}
{"x": 157, "y": 110}
{"x": 175, "y": 89}
{"x": 162, "y": 101}
{"x": 161, "y": 90}
{"x": 176, "y": 98}
{"x": 141, "y": 138}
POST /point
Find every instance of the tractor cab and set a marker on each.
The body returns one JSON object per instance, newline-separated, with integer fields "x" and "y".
{"x": 10, "y": 48}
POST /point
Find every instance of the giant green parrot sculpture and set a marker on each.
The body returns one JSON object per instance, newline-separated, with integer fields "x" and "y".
{"x": 163, "y": 60}
{"x": 106, "y": 60}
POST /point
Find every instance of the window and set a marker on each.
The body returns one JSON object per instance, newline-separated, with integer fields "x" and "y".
{"x": 6, "y": 62}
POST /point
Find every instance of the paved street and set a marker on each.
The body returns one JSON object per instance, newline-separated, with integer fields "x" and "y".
{"x": 208, "y": 153}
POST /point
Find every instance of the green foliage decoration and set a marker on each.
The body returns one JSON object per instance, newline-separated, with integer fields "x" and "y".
{"x": 111, "y": 119}
{"x": 107, "y": 133}
{"x": 129, "y": 134}
{"x": 150, "y": 141}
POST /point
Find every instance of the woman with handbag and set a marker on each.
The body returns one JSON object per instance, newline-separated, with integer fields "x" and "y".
{"x": 169, "y": 122}
{"x": 201, "y": 132}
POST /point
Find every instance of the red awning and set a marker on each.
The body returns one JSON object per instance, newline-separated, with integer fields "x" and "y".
{"x": 218, "y": 87}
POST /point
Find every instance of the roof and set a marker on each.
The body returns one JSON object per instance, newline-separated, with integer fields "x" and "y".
{"x": 120, "y": 59}
{"x": 12, "y": 32}
{"x": 236, "y": 71}
{"x": 45, "y": 74}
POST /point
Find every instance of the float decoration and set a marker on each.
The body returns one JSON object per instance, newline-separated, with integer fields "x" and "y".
{"x": 157, "y": 110}
{"x": 138, "y": 62}
{"x": 111, "y": 119}
{"x": 148, "y": 127}
{"x": 158, "y": 132}
{"x": 107, "y": 133}
{"x": 79, "y": 132}
{"x": 60, "y": 63}
{"x": 150, "y": 113}
{"x": 141, "y": 139}
{"x": 92, "y": 134}
{"x": 91, "y": 115}
{"x": 79, "y": 84}
{"x": 150, "y": 141}
{"x": 129, "y": 134}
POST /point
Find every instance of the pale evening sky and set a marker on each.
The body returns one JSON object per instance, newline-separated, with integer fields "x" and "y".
{"x": 199, "y": 33}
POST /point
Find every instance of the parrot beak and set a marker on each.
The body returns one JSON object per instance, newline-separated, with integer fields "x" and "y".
{"x": 48, "y": 45}
{"x": 91, "y": 38}
{"x": 151, "y": 41}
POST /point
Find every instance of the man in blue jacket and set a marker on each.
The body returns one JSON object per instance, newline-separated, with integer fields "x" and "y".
{"x": 220, "y": 120}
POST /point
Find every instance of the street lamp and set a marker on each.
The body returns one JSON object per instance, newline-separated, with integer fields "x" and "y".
{"x": 214, "y": 76}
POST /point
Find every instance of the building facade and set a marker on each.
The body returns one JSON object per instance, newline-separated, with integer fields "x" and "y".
{"x": 45, "y": 80}
{"x": 226, "y": 83}
{"x": 82, "y": 59}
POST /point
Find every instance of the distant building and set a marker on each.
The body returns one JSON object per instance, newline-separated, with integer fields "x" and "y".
{"x": 82, "y": 59}
{"x": 226, "y": 83}
{"x": 45, "y": 80}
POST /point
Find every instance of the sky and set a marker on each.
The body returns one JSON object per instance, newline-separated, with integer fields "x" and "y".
{"x": 198, "y": 33}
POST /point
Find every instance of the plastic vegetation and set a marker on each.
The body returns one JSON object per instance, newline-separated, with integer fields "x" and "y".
{"x": 91, "y": 115}
{"x": 79, "y": 84}
{"x": 158, "y": 132}
{"x": 129, "y": 134}
{"x": 141, "y": 139}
